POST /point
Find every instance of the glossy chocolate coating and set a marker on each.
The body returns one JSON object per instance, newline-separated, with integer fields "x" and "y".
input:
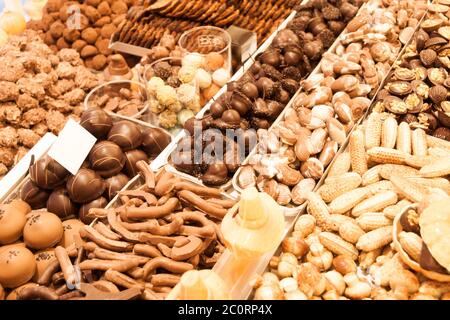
{"x": 85, "y": 186}
{"x": 132, "y": 157}
{"x": 114, "y": 184}
{"x": 216, "y": 175}
{"x": 96, "y": 121}
{"x": 106, "y": 158}
{"x": 47, "y": 173}
{"x": 126, "y": 135}
{"x": 60, "y": 204}
{"x": 154, "y": 140}
{"x": 33, "y": 195}
{"x": 100, "y": 202}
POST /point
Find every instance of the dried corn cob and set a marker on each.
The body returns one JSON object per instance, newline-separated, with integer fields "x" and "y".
{"x": 337, "y": 245}
{"x": 438, "y": 143}
{"x": 392, "y": 211}
{"x": 336, "y": 220}
{"x": 389, "y": 133}
{"x": 387, "y": 170}
{"x": 386, "y": 155}
{"x": 371, "y": 176}
{"x": 358, "y": 156}
{"x": 319, "y": 210}
{"x": 331, "y": 191}
{"x": 409, "y": 189}
{"x": 439, "y": 152}
{"x": 341, "y": 165}
{"x": 419, "y": 161}
{"x": 439, "y": 168}
{"x": 375, "y": 239}
{"x": 411, "y": 243}
{"x": 373, "y": 130}
{"x": 348, "y": 200}
{"x": 440, "y": 183}
{"x": 404, "y": 138}
{"x": 373, "y": 220}
{"x": 351, "y": 232}
{"x": 341, "y": 177}
{"x": 375, "y": 203}
{"x": 419, "y": 142}
{"x": 380, "y": 186}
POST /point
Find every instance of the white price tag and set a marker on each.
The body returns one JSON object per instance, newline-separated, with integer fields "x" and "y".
{"x": 72, "y": 146}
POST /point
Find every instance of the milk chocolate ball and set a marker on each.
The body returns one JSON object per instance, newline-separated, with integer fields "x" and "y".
{"x": 216, "y": 175}
{"x": 85, "y": 186}
{"x": 231, "y": 116}
{"x": 33, "y": 195}
{"x": 60, "y": 204}
{"x": 154, "y": 140}
{"x": 106, "y": 158}
{"x": 97, "y": 122}
{"x": 114, "y": 184}
{"x": 126, "y": 135}
{"x": 100, "y": 202}
{"x": 47, "y": 173}
{"x": 132, "y": 157}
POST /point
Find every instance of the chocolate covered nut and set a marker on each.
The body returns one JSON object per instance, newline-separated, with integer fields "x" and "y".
{"x": 100, "y": 202}
{"x": 106, "y": 158}
{"x": 96, "y": 121}
{"x": 114, "y": 184}
{"x": 126, "y": 135}
{"x": 154, "y": 140}
{"x": 85, "y": 186}
{"x": 60, "y": 204}
{"x": 132, "y": 157}
{"x": 33, "y": 195}
{"x": 47, "y": 173}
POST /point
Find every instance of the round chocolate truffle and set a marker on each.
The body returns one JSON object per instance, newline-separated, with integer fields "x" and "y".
{"x": 84, "y": 209}
{"x": 154, "y": 140}
{"x": 47, "y": 173}
{"x": 114, "y": 185}
{"x": 33, "y": 195}
{"x": 126, "y": 135}
{"x": 132, "y": 157}
{"x": 96, "y": 121}
{"x": 85, "y": 186}
{"x": 106, "y": 158}
{"x": 60, "y": 204}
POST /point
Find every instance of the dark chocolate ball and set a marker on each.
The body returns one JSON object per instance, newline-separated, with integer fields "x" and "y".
{"x": 154, "y": 140}
{"x": 231, "y": 116}
{"x": 126, "y": 135}
{"x": 60, "y": 204}
{"x": 96, "y": 121}
{"x": 85, "y": 186}
{"x": 114, "y": 184}
{"x": 84, "y": 209}
{"x": 47, "y": 173}
{"x": 106, "y": 158}
{"x": 132, "y": 157}
{"x": 33, "y": 195}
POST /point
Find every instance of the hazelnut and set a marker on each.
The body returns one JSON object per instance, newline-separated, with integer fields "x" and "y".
{"x": 92, "y": 14}
{"x": 103, "y": 46}
{"x": 438, "y": 94}
{"x": 97, "y": 63}
{"x": 70, "y": 35}
{"x": 62, "y": 44}
{"x": 89, "y": 35}
{"x": 88, "y": 51}
{"x": 296, "y": 246}
{"x": 104, "y": 9}
{"x": 108, "y": 30}
{"x": 79, "y": 45}
{"x": 428, "y": 57}
{"x": 119, "y": 7}
{"x": 102, "y": 21}
{"x": 56, "y": 29}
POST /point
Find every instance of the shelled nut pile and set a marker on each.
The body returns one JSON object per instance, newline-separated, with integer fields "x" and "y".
{"x": 257, "y": 99}
{"x": 342, "y": 249}
{"x": 296, "y": 152}
{"x": 39, "y": 89}
{"x": 417, "y": 91}
{"x": 97, "y": 20}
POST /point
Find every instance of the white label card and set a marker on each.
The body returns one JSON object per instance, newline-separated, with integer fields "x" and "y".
{"x": 72, "y": 146}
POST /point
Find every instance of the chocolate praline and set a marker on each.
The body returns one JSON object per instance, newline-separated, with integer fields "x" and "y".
{"x": 132, "y": 157}
{"x": 106, "y": 158}
{"x": 47, "y": 173}
{"x": 60, "y": 204}
{"x": 216, "y": 174}
{"x": 216, "y": 110}
{"x": 114, "y": 184}
{"x": 85, "y": 186}
{"x": 126, "y": 135}
{"x": 154, "y": 140}
{"x": 231, "y": 116}
{"x": 96, "y": 121}
{"x": 100, "y": 202}
{"x": 33, "y": 195}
